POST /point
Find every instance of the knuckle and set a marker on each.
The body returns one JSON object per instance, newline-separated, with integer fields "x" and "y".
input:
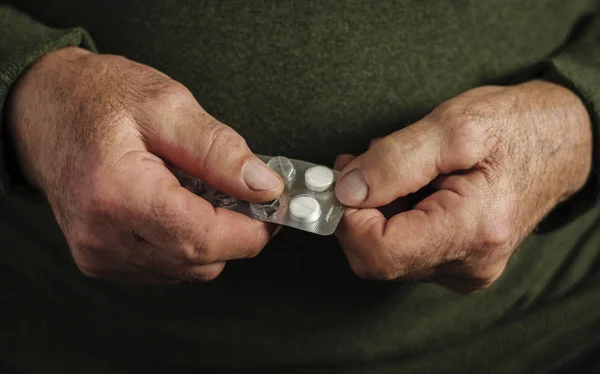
{"x": 98, "y": 204}
{"x": 466, "y": 138}
{"x": 219, "y": 137}
{"x": 173, "y": 204}
{"x": 100, "y": 200}
{"x": 222, "y": 135}
{"x": 82, "y": 240}
{"x": 199, "y": 252}
{"x": 145, "y": 84}
{"x": 160, "y": 95}
{"x": 84, "y": 251}
{"x": 202, "y": 249}
{"x": 164, "y": 211}
{"x": 484, "y": 276}
{"x": 205, "y": 252}
{"x": 172, "y": 92}
{"x": 498, "y": 232}
{"x": 188, "y": 252}
{"x": 467, "y": 130}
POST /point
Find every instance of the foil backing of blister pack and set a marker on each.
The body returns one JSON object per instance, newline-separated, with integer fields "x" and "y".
{"x": 279, "y": 211}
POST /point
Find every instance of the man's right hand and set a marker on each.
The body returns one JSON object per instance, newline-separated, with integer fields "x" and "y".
{"x": 92, "y": 131}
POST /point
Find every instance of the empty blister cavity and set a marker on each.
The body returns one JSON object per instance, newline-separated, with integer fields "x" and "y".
{"x": 192, "y": 184}
{"x": 266, "y": 209}
{"x": 318, "y": 178}
{"x": 305, "y": 208}
{"x": 223, "y": 200}
{"x": 284, "y": 167}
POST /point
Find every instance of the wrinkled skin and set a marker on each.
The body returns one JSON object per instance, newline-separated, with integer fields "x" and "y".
{"x": 92, "y": 131}
{"x": 499, "y": 159}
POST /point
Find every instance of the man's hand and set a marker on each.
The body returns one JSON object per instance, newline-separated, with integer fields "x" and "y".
{"x": 92, "y": 132}
{"x": 499, "y": 158}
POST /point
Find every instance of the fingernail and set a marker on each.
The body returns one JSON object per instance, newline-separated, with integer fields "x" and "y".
{"x": 352, "y": 189}
{"x": 260, "y": 177}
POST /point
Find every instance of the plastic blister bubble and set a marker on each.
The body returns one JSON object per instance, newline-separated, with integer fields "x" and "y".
{"x": 307, "y": 202}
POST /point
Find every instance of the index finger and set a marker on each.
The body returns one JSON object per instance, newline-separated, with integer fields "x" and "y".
{"x": 410, "y": 244}
{"x": 174, "y": 219}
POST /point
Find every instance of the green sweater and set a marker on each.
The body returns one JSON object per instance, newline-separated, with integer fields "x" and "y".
{"x": 309, "y": 80}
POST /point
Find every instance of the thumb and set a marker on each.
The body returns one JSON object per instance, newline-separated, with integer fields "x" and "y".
{"x": 394, "y": 166}
{"x": 200, "y": 145}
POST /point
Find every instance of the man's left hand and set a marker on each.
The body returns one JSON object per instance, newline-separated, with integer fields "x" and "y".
{"x": 499, "y": 158}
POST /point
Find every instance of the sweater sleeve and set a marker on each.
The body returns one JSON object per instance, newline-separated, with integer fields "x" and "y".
{"x": 22, "y": 41}
{"x": 577, "y": 66}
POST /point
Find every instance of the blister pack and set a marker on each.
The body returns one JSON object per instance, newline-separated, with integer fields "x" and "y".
{"x": 307, "y": 203}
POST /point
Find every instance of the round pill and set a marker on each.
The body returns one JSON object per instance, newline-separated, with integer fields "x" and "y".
{"x": 305, "y": 208}
{"x": 283, "y": 166}
{"x": 318, "y": 178}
